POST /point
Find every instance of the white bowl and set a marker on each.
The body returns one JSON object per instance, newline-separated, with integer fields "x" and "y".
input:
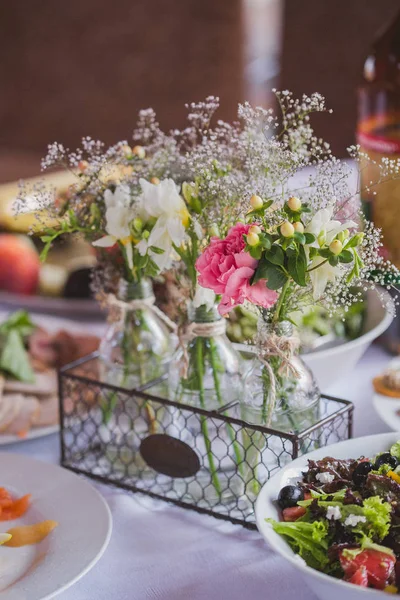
{"x": 324, "y": 586}
{"x": 332, "y": 363}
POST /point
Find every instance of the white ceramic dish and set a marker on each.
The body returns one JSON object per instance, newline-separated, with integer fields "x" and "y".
{"x": 324, "y": 586}
{"x": 42, "y": 571}
{"x": 332, "y": 363}
{"x": 389, "y": 410}
{"x": 51, "y": 324}
{"x": 35, "y": 432}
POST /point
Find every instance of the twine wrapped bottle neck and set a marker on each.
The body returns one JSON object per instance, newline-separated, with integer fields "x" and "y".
{"x": 203, "y": 314}
{"x": 141, "y": 290}
{"x": 281, "y": 329}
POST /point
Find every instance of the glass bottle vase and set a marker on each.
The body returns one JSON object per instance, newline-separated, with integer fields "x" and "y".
{"x": 280, "y": 393}
{"x": 134, "y": 351}
{"x": 137, "y": 343}
{"x": 205, "y": 372}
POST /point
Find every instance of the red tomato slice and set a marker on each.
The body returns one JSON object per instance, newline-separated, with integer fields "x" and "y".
{"x": 360, "y": 577}
{"x": 293, "y": 513}
{"x": 379, "y": 566}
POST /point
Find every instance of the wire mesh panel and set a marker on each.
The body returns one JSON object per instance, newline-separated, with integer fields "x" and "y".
{"x": 210, "y": 461}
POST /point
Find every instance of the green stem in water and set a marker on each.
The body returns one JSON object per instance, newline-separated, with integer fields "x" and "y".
{"x": 229, "y": 428}
{"x": 203, "y": 419}
{"x": 279, "y": 304}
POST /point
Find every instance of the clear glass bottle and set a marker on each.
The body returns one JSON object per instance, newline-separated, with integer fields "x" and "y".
{"x": 291, "y": 405}
{"x": 206, "y": 373}
{"x": 134, "y": 351}
{"x": 137, "y": 345}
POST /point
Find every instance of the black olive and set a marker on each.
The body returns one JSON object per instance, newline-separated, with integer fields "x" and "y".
{"x": 386, "y": 459}
{"x": 361, "y": 471}
{"x": 289, "y": 496}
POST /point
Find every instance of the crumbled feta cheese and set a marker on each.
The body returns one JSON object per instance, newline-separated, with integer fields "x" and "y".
{"x": 324, "y": 477}
{"x": 353, "y": 520}
{"x": 333, "y": 512}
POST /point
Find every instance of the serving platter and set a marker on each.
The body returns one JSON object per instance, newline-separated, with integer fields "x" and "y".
{"x": 41, "y": 571}
{"x": 51, "y": 324}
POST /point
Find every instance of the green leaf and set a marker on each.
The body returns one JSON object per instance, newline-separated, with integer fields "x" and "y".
{"x": 276, "y": 255}
{"x": 156, "y": 250}
{"x": 297, "y": 266}
{"x": 152, "y": 269}
{"x": 395, "y": 450}
{"x": 309, "y": 540}
{"x": 299, "y": 237}
{"x": 255, "y": 251}
{"x": 259, "y": 212}
{"x": 273, "y": 274}
{"x": 325, "y": 252}
{"x": 353, "y": 241}
{"x": 142, "y": 261}
{"x": 14, "y": 359}
{"x": 334, "y": 261}
{"x": 266, "y": 240}
{"x": 345, "y": 256}
{"x": 19, "y": 320}
{"x": 310, "y": 238}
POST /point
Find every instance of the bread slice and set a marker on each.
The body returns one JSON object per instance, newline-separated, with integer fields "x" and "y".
{"x": 45, "y": 385}
{"x": 48, "y": 412}
{"x": 9, "y": 410}
{"x": 29, "y": 410}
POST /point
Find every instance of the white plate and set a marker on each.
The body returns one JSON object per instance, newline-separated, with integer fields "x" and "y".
{"x": 387, "y": 409}
{"x": 35, "y": 432}
{"x": 44, "y": 570}
{"x": 52, "y": 324}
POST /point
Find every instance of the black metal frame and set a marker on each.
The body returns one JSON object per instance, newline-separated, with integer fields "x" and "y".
{"x": 340, "y": 417}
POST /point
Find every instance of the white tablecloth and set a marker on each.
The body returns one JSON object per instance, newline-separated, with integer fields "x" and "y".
{"x": 161, "y": 552}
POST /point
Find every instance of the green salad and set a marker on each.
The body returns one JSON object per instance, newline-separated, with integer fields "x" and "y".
{"x": 343, "y": 518}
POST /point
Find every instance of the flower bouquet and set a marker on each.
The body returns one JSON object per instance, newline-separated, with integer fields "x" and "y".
{"x": 216, "y": 206}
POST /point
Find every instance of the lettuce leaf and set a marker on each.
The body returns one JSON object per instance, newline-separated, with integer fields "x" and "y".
{"x": 395, "y": 450}
{"x": 378, "y": 514}
{"x": 374, "y": 509}
{"x": 309, "y": 540}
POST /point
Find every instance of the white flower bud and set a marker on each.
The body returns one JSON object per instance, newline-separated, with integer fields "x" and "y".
{"x": 336, "y": 247}
{"x": 294, "y": 203}
{"x": 139, "y": 151}
{"x": 287, "y": 229}
{"x": 253, "y": 239}
{"x": 299, "y": 227}
{"x": 256, "y": 202}
{"x": 255, "y": 229}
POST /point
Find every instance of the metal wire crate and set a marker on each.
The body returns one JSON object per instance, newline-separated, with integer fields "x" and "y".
{"x": 151, "y": 445}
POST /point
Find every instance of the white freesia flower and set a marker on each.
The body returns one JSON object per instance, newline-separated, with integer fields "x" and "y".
{"x": 162, "y": 202}
{"x": 203, "y": 297}
{"x": 322, "y": 275}
{"x": 198, "y": 229}
{"x": 322, "y": 222}
{"x": 119, "y": 213}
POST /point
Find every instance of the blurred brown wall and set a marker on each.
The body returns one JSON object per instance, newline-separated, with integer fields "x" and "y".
{"x": 77, "y": 67}
{"x": 84, "y": 67}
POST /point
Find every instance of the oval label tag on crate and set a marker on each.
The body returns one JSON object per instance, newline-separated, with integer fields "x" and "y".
{"x": 169, "y": 456}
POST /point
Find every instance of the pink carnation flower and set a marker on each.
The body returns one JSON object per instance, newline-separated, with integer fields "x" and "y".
{"x": 226, "y": 268}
